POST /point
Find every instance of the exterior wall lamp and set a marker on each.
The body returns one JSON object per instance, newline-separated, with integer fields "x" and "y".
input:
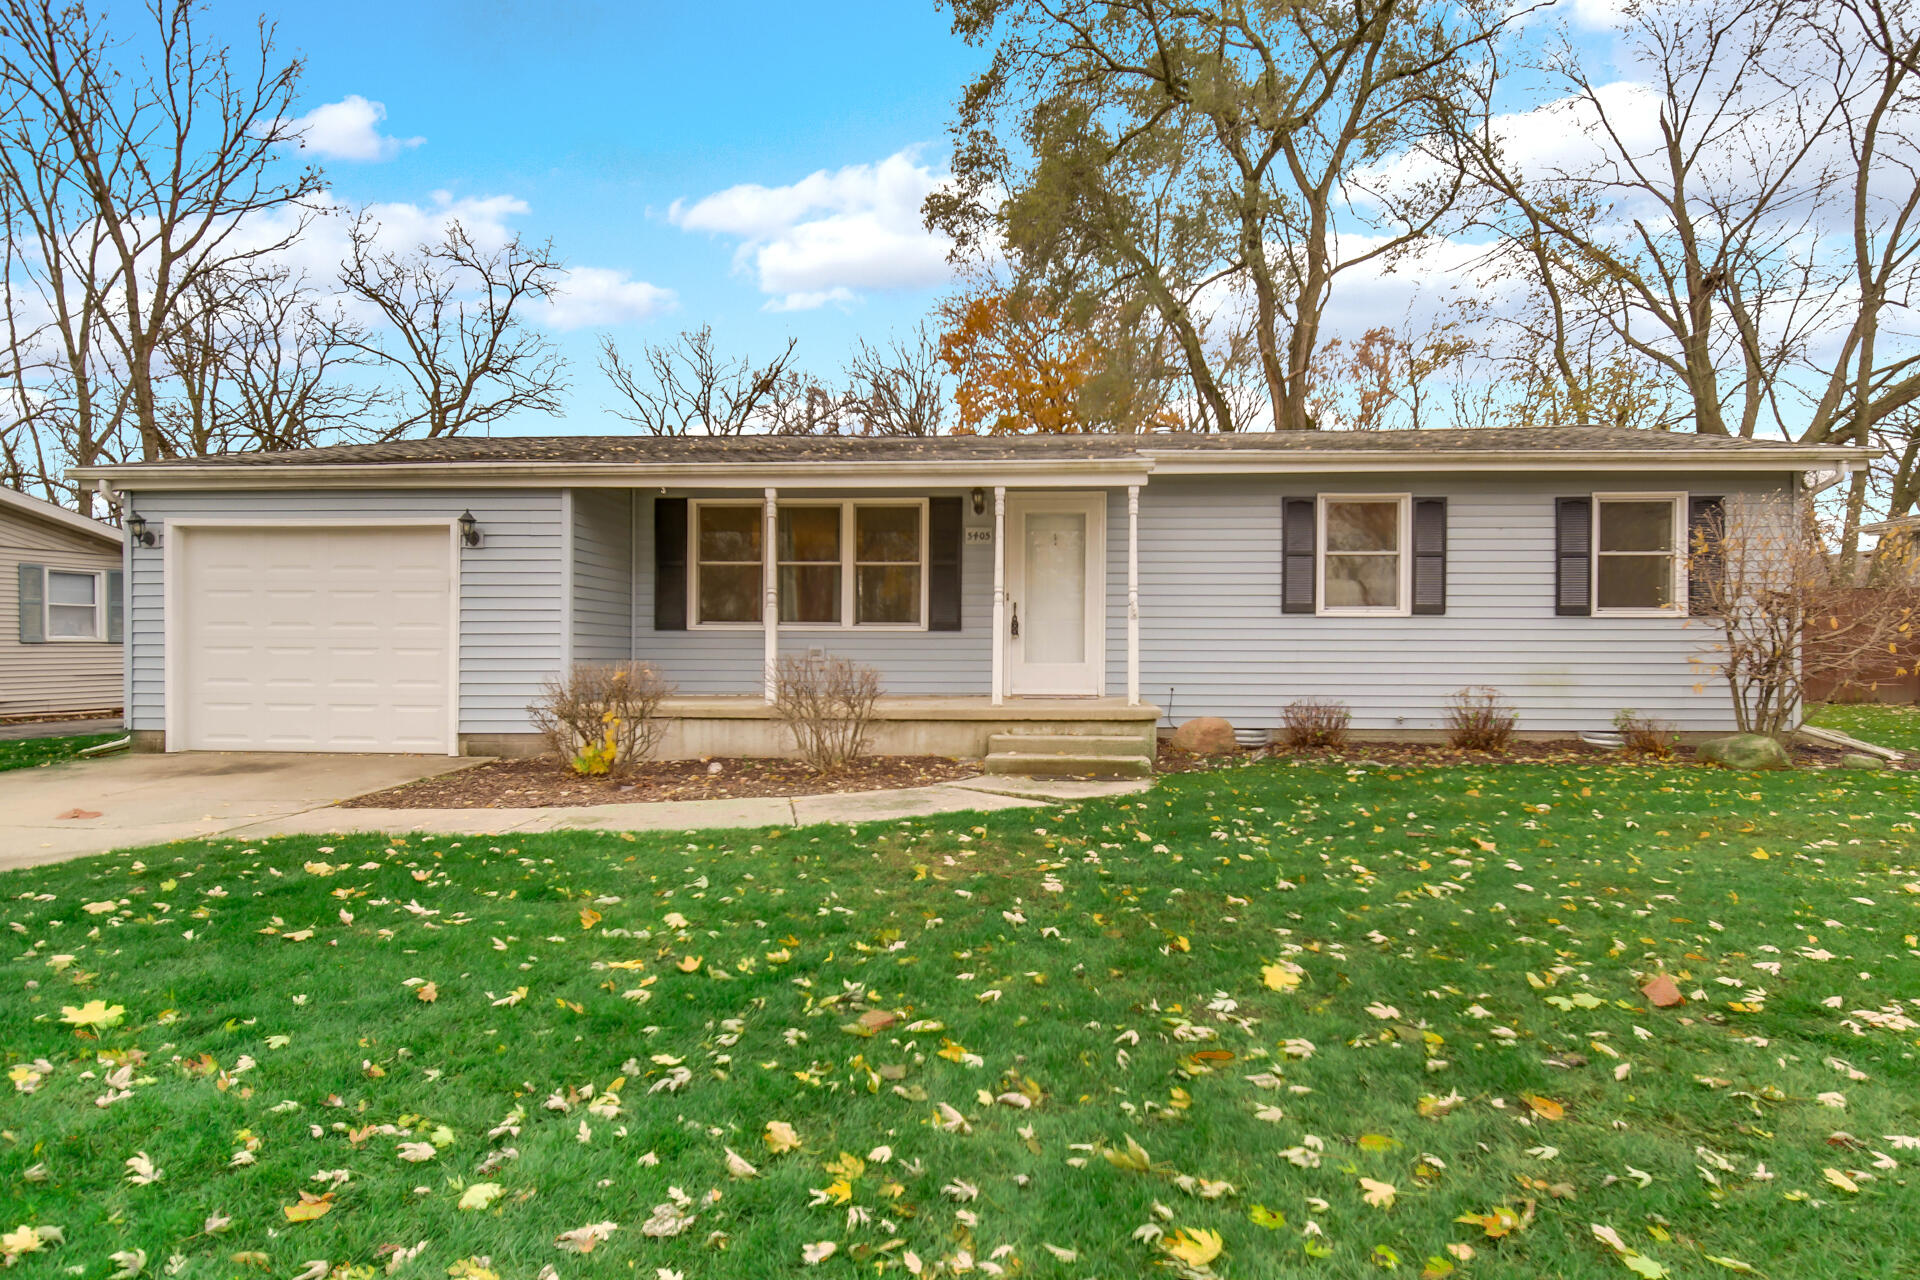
{"x": 138, "y": 531}
{"x": 469, "y": 528}
{"x": 979, "y": 498}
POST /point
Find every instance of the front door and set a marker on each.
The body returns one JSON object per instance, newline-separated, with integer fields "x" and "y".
{"x": 1056, "y": 592}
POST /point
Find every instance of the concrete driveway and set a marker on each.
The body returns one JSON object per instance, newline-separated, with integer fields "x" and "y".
{"x": 151, "y": 799}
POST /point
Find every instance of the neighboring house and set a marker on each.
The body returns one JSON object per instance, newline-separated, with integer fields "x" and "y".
{"x": 333, "y": 599}
{"x": 60, "y": 611}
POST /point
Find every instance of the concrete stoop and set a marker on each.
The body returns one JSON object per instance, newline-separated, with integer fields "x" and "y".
{"x": 1069, "y": 755}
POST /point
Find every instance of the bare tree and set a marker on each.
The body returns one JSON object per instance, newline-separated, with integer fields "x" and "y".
{"x": 687, "y": 388}
{"x": 899, "y": 390}
{"x": 129, "y": 185}
{"x": 266, "y": 361}
{"x": 455, "y": 330}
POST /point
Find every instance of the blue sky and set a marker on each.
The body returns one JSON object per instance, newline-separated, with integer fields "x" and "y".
{"x": 587, "y": 121}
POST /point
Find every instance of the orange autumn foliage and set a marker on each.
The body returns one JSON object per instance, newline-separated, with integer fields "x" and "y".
{"x": 1021, "y": 366}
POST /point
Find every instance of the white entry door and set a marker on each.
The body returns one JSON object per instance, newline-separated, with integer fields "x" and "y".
{"x": 1056, "y": 576}
{"x": 311, "y": 639}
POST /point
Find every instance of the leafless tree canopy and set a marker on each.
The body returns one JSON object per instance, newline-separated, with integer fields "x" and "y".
{"x": 456, "y": 333}
{"x": 129, "y": 184}
{"x": 686, "y": 387}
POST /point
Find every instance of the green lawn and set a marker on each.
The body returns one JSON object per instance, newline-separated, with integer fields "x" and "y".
{"x": 1324, "y": 1013}
{"x": 1885, "y": 726}
{"x": 31, "y": 753}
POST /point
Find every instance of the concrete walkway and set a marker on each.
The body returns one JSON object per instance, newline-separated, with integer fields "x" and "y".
{"x": 136, "y": 800}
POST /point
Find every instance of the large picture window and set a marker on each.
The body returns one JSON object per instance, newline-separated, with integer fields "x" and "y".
{"x": 1363, "y": 561}
{"x": 73, "y": 606}
{"x": 837, "y": 564}
{"x": 1637, "y": 563}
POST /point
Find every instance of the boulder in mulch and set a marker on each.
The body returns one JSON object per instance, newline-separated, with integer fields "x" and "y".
{"x": 1745, "y": 751}
{"x": 1860, "y": 760}
{"x": 1205, "y": 736}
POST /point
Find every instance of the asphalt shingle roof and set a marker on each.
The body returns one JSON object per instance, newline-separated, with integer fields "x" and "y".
{"x": 683, "y": 450}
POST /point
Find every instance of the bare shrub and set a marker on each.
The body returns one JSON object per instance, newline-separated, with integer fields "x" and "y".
{"x": 827, "y": 704}
{"x": 1643, "y": 735}
{"x": 602, "y": 716}
{"x": 1479, "y": 719}
{"x": 1765, "y": 580}
{"x": 1312, "y": 722}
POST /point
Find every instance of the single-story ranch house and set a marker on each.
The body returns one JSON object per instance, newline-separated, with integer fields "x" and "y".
{"x": 414, "y": 596}
{"x": 60, "y": 612}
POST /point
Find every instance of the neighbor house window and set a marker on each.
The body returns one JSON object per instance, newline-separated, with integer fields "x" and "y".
{"x": 73, "y": 606}
{"x": 837, "y": 564}
{"x": 1637, "y": 564}
{"x": 1363, "y": 562}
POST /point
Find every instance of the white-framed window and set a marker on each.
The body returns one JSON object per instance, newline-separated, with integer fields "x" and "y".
{"x": 1362, "y": 541}
{"x": 76, "y": 605}
{"x": 1639, "y": 560}
{"x": 838, "y": 564}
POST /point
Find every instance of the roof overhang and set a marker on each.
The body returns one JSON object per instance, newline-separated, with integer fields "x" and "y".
{"x": 874, "y": 474}
{"x": 881, "y": 473}
{"x": 72, "y": 521}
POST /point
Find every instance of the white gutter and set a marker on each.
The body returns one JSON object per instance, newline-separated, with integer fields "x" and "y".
{"x": 887, "y": 473}
{"x": 872, "y": 474}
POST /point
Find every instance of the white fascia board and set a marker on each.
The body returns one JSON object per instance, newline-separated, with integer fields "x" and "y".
{"x": 1305, "y": 463}
{"x": 621, "y": 475}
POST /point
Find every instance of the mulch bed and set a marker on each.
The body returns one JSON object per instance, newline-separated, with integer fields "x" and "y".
{"x": 536, "y": 784}
{"x": 1555, "y": 751}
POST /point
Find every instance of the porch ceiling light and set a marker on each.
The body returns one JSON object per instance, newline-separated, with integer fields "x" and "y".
{"x": 469, "y": 529}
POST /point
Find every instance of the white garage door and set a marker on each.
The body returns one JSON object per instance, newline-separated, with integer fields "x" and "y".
{"x": 314, "y": 639}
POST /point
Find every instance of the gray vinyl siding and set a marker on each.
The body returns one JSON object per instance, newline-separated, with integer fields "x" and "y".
{"x": 53, "y": 677}
{"x": 511, "y": 606}
{"x": 922, "y": 663}
{"x": 602, "y": 575}
{"x": 1214, "y": 642}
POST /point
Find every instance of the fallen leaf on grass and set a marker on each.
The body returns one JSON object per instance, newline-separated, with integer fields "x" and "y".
{"x": 308, "y": 1207}
{"x": 780, "y": 1137}
{"x": 1378, "y": 1194}
{"x": 1545, "y": 1108}
{"x": 480, "y": 1195}
{"x": 582, "y": 1239}
{"x": 94, "y": 1013}
{"x": 1194, "y": 1246}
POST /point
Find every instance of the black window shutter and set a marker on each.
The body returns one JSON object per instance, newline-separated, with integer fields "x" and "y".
{"x": 1706, "y": 561}
{"x": 1573, "y": 557}
{"x": 33, "y": 604}
{"x": 116, "y": 606}
{"x": 1429, "y": 555}
{"x": 1296, "y": 555}
{"x": 669, "y": 564}
{"x": 945, "y": 533}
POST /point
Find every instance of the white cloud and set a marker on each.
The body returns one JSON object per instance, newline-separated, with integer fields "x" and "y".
{"x": 349, "y": 130}
{"x": 830, "y": 235}
{"x": 596, "y": 296}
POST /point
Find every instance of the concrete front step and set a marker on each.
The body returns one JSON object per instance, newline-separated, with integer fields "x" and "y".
{"x": 1060, "y": 765}
{"x": 1068, "y": 744}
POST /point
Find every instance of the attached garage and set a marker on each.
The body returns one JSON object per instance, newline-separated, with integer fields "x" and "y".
{"x": 333, "y": 638}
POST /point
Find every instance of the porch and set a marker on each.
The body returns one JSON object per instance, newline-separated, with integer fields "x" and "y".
{"x": 1043, "y": 735}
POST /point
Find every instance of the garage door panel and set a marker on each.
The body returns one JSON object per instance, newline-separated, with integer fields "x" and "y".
{"x": 316, "y": 640}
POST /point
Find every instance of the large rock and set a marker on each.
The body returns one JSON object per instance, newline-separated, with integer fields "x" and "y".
{"x": 1745, "y": 751}
{"x": 1206, "y": 736}
{"x": 1861, "y": 760}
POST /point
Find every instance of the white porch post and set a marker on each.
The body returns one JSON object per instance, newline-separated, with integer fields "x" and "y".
{"x": 999, "y": 594}
{"x": 1133, "y": 595}
{"x": 770, "y": 585}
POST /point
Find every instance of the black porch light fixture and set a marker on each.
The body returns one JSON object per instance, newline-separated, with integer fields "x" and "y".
{"x": 979, "y": 497}
{"x": 138, "y": 531}
{"x": 469, "y": 528}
